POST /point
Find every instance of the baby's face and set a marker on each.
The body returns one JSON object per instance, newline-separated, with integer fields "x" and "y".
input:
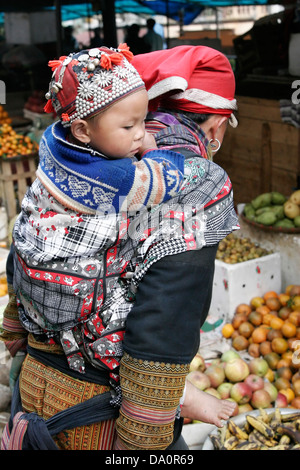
{"x": 119, "y": 131}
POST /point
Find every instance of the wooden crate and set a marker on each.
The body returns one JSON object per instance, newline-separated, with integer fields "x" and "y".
{"x": 17, "y": 174}
{"x": 263, "y": 153}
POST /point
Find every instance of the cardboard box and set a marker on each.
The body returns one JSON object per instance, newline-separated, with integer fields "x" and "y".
{"x": 239, "y": 283}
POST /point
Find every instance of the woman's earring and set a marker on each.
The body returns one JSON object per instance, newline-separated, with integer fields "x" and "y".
{"x": 215, "y": 146}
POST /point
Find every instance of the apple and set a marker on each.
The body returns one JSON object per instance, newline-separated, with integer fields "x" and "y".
{"x": 246, "y": 408}
{"x": 236, "y": 370}
{"x": 258, "y": 366}
{"x": 228, "y": 355}
{"x": 261, "y": 399}
{"x": 199, "y": 379}
{"x": 212, "y": 391}
{"x": 295, "y": 403}
{"x": 224, "y": 390}
{"x": 255, "y": 381}
{"x": 272, "y": 390}
{"x": 197, "y": 363}
{"x": 281, "y": 401}
{"x": 216, "y": 374}
{"x": 241, "y": 393}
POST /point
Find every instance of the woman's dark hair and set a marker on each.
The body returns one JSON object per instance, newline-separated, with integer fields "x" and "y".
{"x": 198, "y": 118}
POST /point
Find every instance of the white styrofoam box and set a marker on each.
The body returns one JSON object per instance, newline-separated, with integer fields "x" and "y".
{"x": 40, "y": 121}
{"x": 3, "y": 258}
{"x": 238, "y": 283}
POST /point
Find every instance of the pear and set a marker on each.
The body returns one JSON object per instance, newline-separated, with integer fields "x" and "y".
{"x": 295, "y": 197}
{"x": 291, "y": 209}
{"x": 297, "y": 221}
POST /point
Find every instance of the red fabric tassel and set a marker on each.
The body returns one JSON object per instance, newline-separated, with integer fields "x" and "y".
{"x": 116, "y": 58}
{"x": 105, "y": 61}
{"x": 48, "y": 108}
{"x": 125, "y": 51}
{"x": 54, "y": 64}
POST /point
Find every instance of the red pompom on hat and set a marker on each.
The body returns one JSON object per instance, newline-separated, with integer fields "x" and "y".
{"x": 197, "y": 79}
{"x": 87, "y": 82}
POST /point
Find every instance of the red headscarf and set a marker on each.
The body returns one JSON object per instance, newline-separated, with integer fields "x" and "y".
{"x": 197, "y": 79}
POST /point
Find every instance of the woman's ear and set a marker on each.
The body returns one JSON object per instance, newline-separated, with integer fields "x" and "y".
{"x": 80, "y": 131}
{"x": 213, "y": 125}
{"x": 218, "y": 125}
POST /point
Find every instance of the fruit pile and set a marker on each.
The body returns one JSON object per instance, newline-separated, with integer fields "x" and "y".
{"x": 267, "y": 431}
{"x": 13, "y": 144}
{"x": 248, "y": 383}
{"x": 274, "y": 209}
{"x": 3, "y": 286}
{"x": 233, "y": 250}
{"x": 4, "y": 117}
{"x": 268, "y": 329}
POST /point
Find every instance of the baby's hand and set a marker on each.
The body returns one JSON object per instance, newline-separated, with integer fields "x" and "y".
{"x": 148, "y": 143}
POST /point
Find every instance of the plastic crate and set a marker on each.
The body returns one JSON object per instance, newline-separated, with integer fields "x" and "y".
{"x": 16, "y": 175}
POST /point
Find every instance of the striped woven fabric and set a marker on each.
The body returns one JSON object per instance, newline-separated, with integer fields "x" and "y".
{"x": 14, "y": 440}
{"x": 47, "y": 391}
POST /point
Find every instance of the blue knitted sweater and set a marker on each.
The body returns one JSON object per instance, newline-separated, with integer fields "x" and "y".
{"x": 89, "y": 182}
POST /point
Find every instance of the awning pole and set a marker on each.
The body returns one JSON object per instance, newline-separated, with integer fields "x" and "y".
{"x": 58, "y": 28}
{"x": 168, "y": 23}
{"x": 217, "y": 24}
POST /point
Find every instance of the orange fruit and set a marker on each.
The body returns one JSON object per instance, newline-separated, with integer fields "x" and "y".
{"x": 281, "y": 383}
{"x": 253, "y": 349}
{"x": 295, "y": 304}
{"x": 283, "y": 363}
{"x": 270, "y": 376}
{"x": 289, "y": 393}
{"x": 246, "y": 329}
{"x": 274, "y": 334}
{"x": 296, "y": 387}
{"x": 238, "y": 319}
{"x": 284, "y": 298}
{"x": 294, "y": 317}
{"x": 288, "y": 329}
{"x": 255, "y": 318}
{"x": 259, "y": 335}
{"x": 263, "y": 310}
{"x": 267, "y": 318}
{"x": 270, "y": 294}
{"x": 288, "y": 289}
{"x": 227, "y": 330}
{"x": 272, "y": 359}
{"x": 284, "y": 312}
{"x": 285, "y": 372}
{"x": 243, "y": 308}
{"x": 276, "y": 323}
{"x": 295, "y": 290}
{"x": 265, "y": 347}
{"x": 240, "y": 343}
{"x": 288, "y": 355}
{"x": 257, "y": 302}
{"x": 273, "y": 303}
{"x": 279, "y": 345}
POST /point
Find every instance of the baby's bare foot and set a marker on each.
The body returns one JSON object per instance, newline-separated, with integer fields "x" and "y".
{"x": 213, "y": 410}
{"x": 202, "y": 406}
